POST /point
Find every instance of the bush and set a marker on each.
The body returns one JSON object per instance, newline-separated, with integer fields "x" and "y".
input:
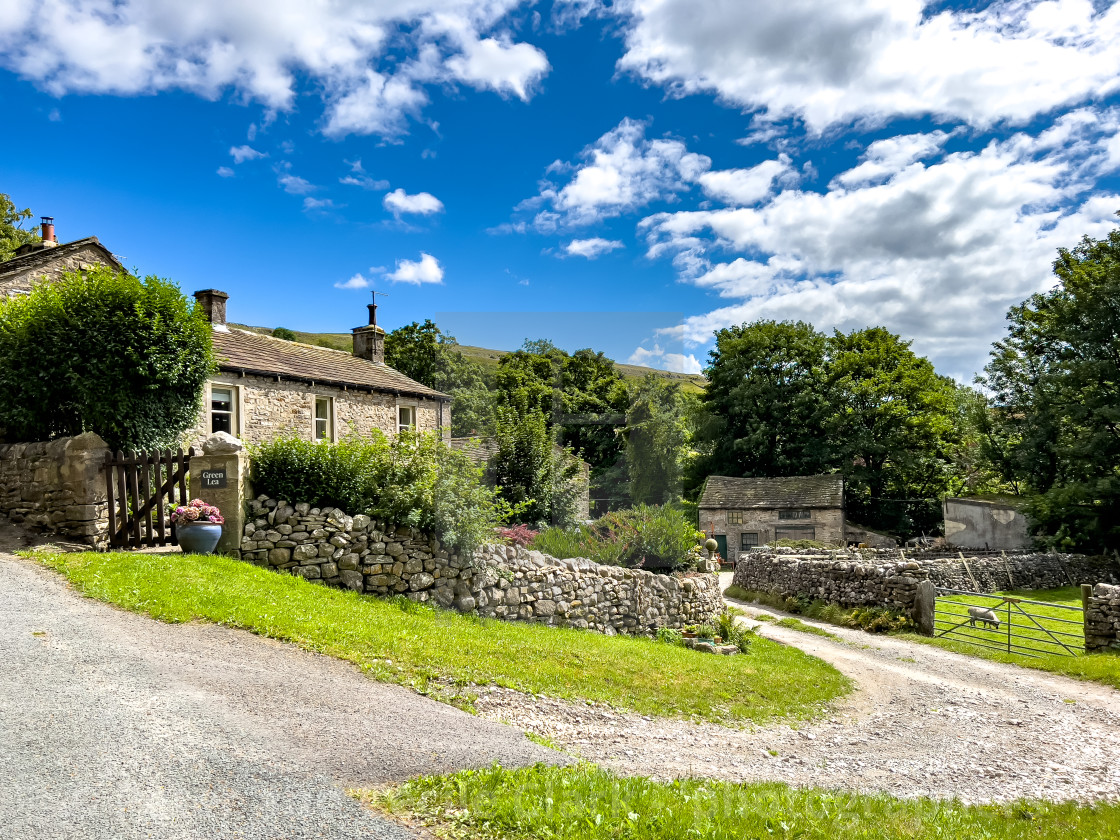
{"x": 645, "y": 535}
{"x": 104, "y": 352}
{"x": 519, "y": 535}
{"x": 284, "y": 333}
{"x": 871, "y": 619}
{"x": 412, "y": 480}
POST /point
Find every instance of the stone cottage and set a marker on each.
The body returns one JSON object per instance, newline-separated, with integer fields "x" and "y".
{"x": 48, "y": 260}
{"x": 741, "y": 513}
{"x": 267, "y": 387}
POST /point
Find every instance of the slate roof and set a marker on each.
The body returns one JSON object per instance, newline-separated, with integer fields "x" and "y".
{"x": 45, "y": 256}
{"x": 240, "y": 351}
{"x": 478, "y": 449}
{"x": 798, "y": 491}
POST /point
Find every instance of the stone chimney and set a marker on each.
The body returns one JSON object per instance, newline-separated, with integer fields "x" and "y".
{"x": 213, "y": 303}
{"x": 47, "y": 224}
{"x": 369, "y": 341}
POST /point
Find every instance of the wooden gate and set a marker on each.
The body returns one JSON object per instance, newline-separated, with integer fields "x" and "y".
{"x": 140, "y": 487}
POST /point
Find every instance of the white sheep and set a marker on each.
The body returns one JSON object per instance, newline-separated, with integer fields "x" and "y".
{"x": 986, "y": 617}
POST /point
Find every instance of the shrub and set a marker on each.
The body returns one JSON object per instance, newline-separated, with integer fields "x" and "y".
{"x": 645, "y": 535}
{"x": 284, "y": 333}
{"x": 519, "y": 535}
{"x": 105, "y": 352}
{"x": 412, "y": 480}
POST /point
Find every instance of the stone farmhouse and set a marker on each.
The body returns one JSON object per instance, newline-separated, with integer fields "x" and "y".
{"x": 742, "y": 513}
{"x": 266, "y": 386}
{"x": 47, "y": 260}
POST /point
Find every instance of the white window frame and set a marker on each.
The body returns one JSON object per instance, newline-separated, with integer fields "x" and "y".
{"x": 315, "y": 419}
{"x": 234, "y": 405}
{"x": 411, "y": 408}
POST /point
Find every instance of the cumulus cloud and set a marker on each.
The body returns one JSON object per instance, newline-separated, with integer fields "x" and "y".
{"x": 371, "y": 62}
{"x": 831, "y": 63}
{"x": 427, "y": 270}
{"x": 421, "y": 204}
{"x": 620, "y": 172}
{"x": 933, "y": 245}
{"x": 294, "y": 184}
{"x": 591, "y": 248}
{"x": 744, "y": 186}
{"x": 658, "y": 357}
{"x": 357, "y": 281}
{"x": 318, "y": 204}
{"x": 240, "y": 154}
{"x": 225, "y": 172}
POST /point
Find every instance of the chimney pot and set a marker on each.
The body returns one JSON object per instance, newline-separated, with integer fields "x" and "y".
{"x": 213, "y": 303}
{"x": 47, "y": 226}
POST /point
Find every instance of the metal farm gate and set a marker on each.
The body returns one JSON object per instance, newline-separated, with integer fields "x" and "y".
{"x": 141, "y": 488}
{"x": 1009, "y": 624}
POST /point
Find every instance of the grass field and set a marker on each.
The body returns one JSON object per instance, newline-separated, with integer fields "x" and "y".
{"x": 1049, "y": 627}
{"x": 443, "y": 653}
{"x": 586, "y": 803}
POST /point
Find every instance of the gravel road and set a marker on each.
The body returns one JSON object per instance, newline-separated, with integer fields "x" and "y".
{"x": 114, "y": 725}
{"x": 924, "y": 721}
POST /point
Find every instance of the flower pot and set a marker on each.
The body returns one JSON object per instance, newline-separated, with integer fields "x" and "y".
{"x": 198, "y": 537}
{"x": 688, "y": 634}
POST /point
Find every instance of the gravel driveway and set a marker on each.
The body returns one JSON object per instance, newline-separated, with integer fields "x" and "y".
{"x": 114, "y": 725}
{"x": 923, "y": 722}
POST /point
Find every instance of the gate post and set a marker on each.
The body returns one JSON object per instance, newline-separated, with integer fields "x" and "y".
{"x": 924, "y": 602}
{"x": 220, "y": 476}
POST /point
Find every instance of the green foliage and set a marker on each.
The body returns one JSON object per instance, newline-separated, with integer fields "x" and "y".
{"x": 425, "y": 353}
{"x": 432, "y": 650}
{"x": 657, "y": 434}
{"x": 104, "y": 352}
{"x": 731, "y": 632}
{"x": 284, "y": 333}
{"x": 871, "y": 619}
{"x": 412, "y": 480}
{"x": 1056, "y": 399}
{"x": 645, "y": 535}
{"x": 670, "y": 636}
{"x": 585, "y": 802}
{"x": 12, "y": 232}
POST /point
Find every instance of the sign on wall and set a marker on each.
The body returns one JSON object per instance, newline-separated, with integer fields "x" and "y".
{"x": 213, "y": 479}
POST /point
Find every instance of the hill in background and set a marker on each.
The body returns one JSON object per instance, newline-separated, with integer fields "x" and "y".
{"x": 690, "y": 382}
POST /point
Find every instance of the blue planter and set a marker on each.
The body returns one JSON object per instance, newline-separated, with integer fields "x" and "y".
{"x": 198, "y": 537}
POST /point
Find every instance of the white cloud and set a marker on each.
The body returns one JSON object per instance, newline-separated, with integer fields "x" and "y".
{"x": 357, "y": 281}
{"x": 591, "y": 248}
{"x": 240, "y": 154}
{"x": 318, "y": 204}
{"x": 620, "y": 172}
{"x": 832, "y": 63}
{"x": 421, "y": 204}
{"x": 294, "y": 185}
{"x": 427, "y": 270}
{"x": 744, "y": 186}
{"x": 659, "y": 358}
{"x": 225, "y": 172}
{"x": 936, "y": 250}
{"x": 369, "y": 61}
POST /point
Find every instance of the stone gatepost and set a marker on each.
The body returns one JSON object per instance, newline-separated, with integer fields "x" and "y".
{"x": 220, "y": 476}
{"x": 925, "y": 601}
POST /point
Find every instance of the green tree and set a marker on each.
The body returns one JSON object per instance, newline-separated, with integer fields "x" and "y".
{"x": 12, "y": 233}
{"x": 767, "y": 403}
{"x": 425, "y": 353}
{"x": 1055, "y": 381}
{"x": 892, "y": 421}
{"x": 658, "y": 433}
{"x": 104, "y": 352}
{"x": 284, "y": 333}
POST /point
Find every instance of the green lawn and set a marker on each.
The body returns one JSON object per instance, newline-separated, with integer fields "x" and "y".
{"x": 1035, "y": 627}
{"x": 443, "y": 652}
{"x": 586, "y": 803}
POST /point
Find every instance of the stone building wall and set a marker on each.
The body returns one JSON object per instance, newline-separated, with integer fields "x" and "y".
{"x": 1102, "y": 618}
{"x": 51, "y": 266}
{"x": 503, "y": 582}
{"x": 827, "y": 525}
{"x": 269, "y": 409}
{"x": 57, "y": 486}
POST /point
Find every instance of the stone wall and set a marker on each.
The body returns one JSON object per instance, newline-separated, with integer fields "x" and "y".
{"x": 1102, "y": 618}
{"x": 503, "y": 582}
{"x": 57, "y": 486}
{"x": 268, "y": 409}
{"x": 49, "y": 264}
{"x": 1035, "y": 570}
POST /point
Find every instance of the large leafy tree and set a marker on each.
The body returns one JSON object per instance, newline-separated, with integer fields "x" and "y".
{"x": 767, "y": 403}
{"x": 658, "y": 433}
{"x": 104, "y": 352}
{"x": 892, "y": 421}
{"x": 1055, "y": 381}
{"x": 425, "y": 353}
{"x": 12, "y": 232}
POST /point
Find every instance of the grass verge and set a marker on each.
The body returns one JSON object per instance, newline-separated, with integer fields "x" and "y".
{"x": 443, "y": 653}
{"x": 587, "y": 803}
{"x": 801, "y": 626}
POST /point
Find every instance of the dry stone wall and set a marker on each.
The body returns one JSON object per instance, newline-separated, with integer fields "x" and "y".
{"x": 1102, "y": 618}
{"x": 57, "y": 486}
{"x": 506, "y": 582}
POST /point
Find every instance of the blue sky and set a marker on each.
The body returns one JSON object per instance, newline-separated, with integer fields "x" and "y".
{"x": 647, "y": 170}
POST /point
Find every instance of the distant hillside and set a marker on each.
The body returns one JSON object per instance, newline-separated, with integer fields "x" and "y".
{"x": 692, "y": 382}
